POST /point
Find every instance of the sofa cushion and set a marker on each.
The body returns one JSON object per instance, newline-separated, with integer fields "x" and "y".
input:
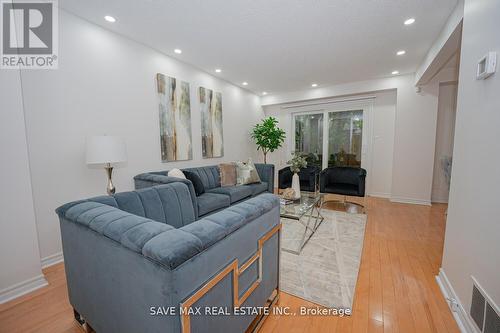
{"x": 170, "y": 203}
{"x": 235, "y": 193}
{"x": 209, "y": 175}
{"x": 257, "y": 188}
{"x": 246, "y": 173}
{"x": 177, "y": 173}
{"x": 227, "y": 174}
{"x": 210, "y": 202}
{"x": 199, "y": 188}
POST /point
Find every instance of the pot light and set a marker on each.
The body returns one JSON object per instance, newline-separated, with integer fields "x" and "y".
{"x": 314, "y": 85}
{"x": 395, "y": 72}
{"x": 410, "y": 21}
{"x": 264, "y": 93}
{"x": 218, "y": 70}
{"x": 401, "y": 52}
{"x": 110, "y": 19}
{"x": 178, "y": 51}
{"x": 245, "y": 83}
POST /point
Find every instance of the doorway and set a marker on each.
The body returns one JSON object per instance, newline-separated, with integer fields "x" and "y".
{"x": 445, "y": 133}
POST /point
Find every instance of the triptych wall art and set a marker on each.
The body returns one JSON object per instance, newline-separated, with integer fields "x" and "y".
{"x": 211, "y": 123}
{"x": 175, "y": 120}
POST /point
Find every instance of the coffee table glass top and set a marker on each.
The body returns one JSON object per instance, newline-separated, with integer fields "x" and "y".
{"x": 299, "y": 208}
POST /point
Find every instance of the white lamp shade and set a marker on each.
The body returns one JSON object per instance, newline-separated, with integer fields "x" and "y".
{"x": 106, "y": 149}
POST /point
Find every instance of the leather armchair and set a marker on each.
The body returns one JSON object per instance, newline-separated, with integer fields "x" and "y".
{"x": 343, "y": 180}
{"x": 308, "y": 178}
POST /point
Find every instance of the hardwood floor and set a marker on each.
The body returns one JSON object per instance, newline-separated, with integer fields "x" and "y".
{"x": 396, "y": 290}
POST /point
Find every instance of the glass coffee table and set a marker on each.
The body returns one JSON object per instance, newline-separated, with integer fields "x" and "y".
{"x": 300, "y": 220}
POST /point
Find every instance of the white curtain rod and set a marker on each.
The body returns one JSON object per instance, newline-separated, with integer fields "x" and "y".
{"x": 349, "y": 99}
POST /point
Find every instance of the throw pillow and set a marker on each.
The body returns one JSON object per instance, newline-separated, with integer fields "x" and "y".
{"x": 227, "y": 174}
{"x": 199, "y": 189}
{"x": 246, "y": 173}
{"x": 177, "y": 173}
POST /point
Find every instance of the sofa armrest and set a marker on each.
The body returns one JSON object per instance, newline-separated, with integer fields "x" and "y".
{"x": 323, "y": 180}
{"x": 266, "y": 174}
{"x": 284, "y": 177}
{"x": 149, "y": 179}
{"x": 361, "y": 186}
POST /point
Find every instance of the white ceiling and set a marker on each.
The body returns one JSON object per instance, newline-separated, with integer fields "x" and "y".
{"x": 280, "y": 45}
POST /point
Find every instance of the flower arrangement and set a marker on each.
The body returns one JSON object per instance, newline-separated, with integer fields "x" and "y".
{"x": 297, "y": 162}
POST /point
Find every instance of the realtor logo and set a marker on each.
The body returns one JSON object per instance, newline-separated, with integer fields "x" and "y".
{"x": 29, "y": 34}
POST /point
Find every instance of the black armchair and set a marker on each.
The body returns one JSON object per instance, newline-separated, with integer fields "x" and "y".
{"x": 308, "y": 178}
{"x": 347, "y": 181}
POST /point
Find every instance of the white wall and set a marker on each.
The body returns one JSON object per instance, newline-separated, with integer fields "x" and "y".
{"x": 384, "y": 118}
{"x": 414, "y": 142}
{"x": 445, "y": 133}
{"x": 105, "y": 84}
{"x": 19, "y": 255}
{"x": 382, "y": 138}
{"x": 472, "y": 241}
{"x": 414, "y": 136}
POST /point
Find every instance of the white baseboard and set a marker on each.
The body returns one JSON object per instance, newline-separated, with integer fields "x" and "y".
{"x": 379, "y": 195}
{"x": 411, "y": 201}
{"x": 52, "y": 260}
{"x": 464, "y": 321}
{"x": 22, "y": 288}
{"x": 441, "y": 201}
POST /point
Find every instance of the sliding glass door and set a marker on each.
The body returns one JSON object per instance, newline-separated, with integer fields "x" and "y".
{"x": 341, "y": 146}
{"x": 308, "y": 129}
{"x": 345, "y": 138}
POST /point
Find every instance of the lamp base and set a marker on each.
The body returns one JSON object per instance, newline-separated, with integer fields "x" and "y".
{"x": 110, "y": 189}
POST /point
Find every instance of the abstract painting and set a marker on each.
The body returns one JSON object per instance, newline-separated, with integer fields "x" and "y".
{"x": 212, "y": 141}
{"x": 175, "y": 119}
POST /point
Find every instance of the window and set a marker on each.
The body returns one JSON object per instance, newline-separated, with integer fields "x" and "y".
{"x": 309, "y": 137}
{"x": 345, "y": 138}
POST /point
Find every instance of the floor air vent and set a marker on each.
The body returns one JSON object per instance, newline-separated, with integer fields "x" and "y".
{"x": 477, "y": 307}
{"x": 483, "y": 311}
{"x": 491, "y": 320}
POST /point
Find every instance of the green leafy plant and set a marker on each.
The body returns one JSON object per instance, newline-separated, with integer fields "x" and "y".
{"x": 268, "y": 136}
{"x": 297, "y": 162}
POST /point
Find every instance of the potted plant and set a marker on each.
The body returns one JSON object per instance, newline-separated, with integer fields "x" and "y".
{"x": 296, "y": 163}
{"x": 268, "y": 136}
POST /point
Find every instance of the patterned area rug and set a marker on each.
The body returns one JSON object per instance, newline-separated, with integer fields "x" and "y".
{"x": 326, "y": 270}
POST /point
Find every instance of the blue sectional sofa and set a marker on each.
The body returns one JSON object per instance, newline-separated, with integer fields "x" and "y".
{"x": 131, "y": 256}
{"x": 215, "y": 197}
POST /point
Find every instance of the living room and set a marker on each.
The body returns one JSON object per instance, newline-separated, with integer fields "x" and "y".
{"x": 401, "y": 95}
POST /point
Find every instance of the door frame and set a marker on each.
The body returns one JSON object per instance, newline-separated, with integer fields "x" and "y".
{"x": 367, "y": 140}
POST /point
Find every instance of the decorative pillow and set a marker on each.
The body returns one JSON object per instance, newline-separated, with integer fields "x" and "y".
{"x": 199, "y": 189}
{"x": 227, "y": 174}
{"x": 246, "y": 173}
{"x": 177, "y": 173}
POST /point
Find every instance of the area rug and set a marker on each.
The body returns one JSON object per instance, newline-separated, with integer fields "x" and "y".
{"x": 326, "y": 270}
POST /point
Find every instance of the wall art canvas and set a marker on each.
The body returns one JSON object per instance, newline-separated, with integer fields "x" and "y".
{"x": 175, "y": 119}
{"x": 211, "y": 123}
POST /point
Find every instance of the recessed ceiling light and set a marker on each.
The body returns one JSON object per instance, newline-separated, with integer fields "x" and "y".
{"x": 395, "y": 72}
{"x": 402, "y": 52}
{"x": 314, "y": 85}
{"x": 110, "y": 18}
{"x": 218, "y": 70}
{"x": 410, "y": 21}
{"x": 264, "y": 93}
{"x": 245, "y": 83}
{"x": 178, "y": 51}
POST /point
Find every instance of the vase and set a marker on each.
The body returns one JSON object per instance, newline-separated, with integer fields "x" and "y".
{"x": 296, "y": 185}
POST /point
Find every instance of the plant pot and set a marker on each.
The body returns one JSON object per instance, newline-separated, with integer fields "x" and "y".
{"x": 296, "y": 185}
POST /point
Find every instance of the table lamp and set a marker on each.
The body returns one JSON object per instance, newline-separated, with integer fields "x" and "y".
{"x": 106, "y": 150}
